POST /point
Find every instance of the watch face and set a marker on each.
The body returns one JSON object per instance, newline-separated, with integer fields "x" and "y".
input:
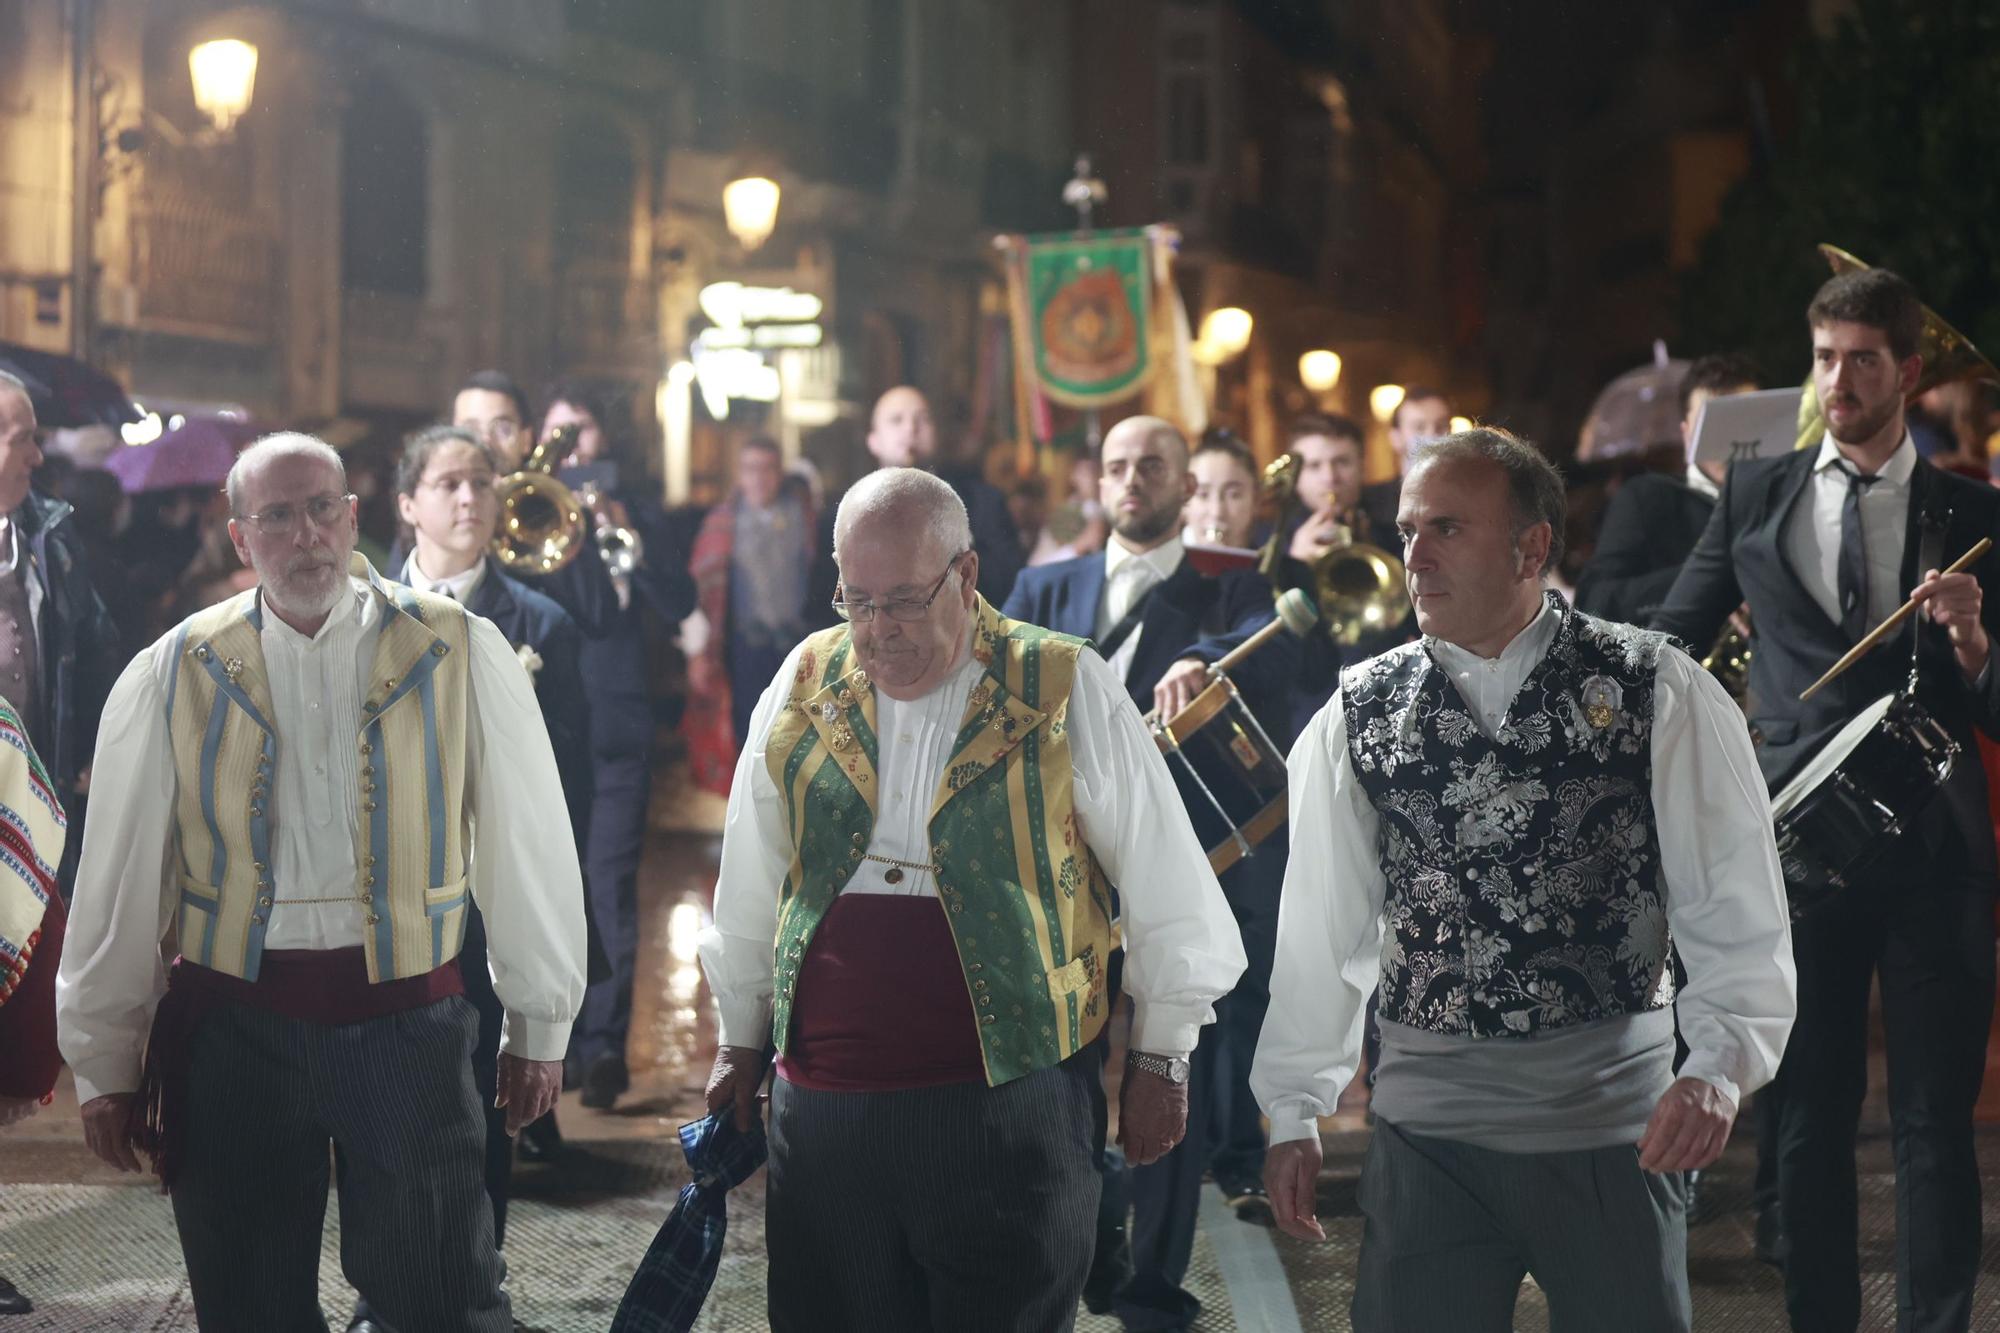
{"x": 1177, "y": 1069}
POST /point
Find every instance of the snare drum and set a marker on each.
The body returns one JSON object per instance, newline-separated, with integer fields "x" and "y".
{"x": 1217, "y": 747}
{"x": 1857, "y": 795}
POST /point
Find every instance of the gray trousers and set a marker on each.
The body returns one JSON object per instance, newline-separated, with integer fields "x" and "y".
{"x": 1450, "y": 1230}
{"x": 267, "y": 1097}
{"x": 959, "y": 1209}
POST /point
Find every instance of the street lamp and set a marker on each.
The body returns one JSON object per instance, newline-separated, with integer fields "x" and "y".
{"x": 1319, "y": 370}
{"x": 225, "y": 75}
{"x": 1225, "y": 332}
{"x": 750, "y": 208}
{"x": 1384, "y": 399}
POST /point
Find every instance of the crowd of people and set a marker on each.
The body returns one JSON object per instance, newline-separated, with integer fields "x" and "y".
{"x": 388, "y": 802}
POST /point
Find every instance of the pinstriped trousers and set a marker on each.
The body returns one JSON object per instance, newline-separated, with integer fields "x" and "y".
{"x": 1450, "y": 1229}
{"x": 267, "y": 1096}
{"x": 957, "y": 1209}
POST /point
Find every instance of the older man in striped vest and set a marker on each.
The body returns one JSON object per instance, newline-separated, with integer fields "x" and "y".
{"x": 309, "y": 780}
{"x": 932, "y": 808}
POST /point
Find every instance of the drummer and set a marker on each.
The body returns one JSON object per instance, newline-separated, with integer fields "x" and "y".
{"x": 1824, "y": 544}
{"x": 1159, "y": 622}
{"x": 1537, "y": 807}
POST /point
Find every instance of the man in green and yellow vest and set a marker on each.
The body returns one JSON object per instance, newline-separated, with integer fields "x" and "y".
{"x": 312, "y": 782}
{"x": 930, "y": 814}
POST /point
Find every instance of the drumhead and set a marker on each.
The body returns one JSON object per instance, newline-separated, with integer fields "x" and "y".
{"x": 1830, "y": 757}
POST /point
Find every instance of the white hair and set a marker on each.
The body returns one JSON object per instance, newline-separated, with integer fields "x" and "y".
{"x": 915, "y": 500}
{"x": 284, "y": 444}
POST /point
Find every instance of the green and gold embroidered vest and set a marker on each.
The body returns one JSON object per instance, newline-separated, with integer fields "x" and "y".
{"x": 1029, "y": 908}
{"x": 413, "y": 837}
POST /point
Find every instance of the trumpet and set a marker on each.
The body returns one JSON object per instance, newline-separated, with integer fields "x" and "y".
{"x": 1359, "y": 588}
{"x": 621, "y": 548}
{"x": 540, "y": 519}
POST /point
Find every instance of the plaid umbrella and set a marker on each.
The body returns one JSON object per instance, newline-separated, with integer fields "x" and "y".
{"x": 672, "y": 1281}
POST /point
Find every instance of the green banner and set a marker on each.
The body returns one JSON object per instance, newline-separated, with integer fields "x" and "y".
{"x": 1090, "y": 305}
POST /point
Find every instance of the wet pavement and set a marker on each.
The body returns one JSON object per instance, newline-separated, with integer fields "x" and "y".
{"x": 97, "y": 1250}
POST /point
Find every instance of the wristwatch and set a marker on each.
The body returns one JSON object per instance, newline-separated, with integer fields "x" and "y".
{"x": 1172, "y": 1068}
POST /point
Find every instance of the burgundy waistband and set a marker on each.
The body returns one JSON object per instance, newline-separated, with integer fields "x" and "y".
{"x": 325, "y": 986}
{"x": 881, "y": 1003}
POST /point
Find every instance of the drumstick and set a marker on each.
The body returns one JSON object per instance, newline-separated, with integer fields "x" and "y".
{"x": 1296, "y": 615}
{"x": 1881, "y": 631}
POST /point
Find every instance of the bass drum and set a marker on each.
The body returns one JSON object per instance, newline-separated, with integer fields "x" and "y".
{"x": 1856, "y": 796}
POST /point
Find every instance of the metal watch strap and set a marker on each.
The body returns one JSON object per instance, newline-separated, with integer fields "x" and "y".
{"x": 1160, "y": 1066}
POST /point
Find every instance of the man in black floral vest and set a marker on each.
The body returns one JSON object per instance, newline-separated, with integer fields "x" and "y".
{"x": 1510, "y": 826}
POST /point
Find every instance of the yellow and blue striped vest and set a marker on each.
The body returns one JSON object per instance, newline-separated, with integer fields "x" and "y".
{"x": 414, "y": 836}
{"x": 1029, "y": 908}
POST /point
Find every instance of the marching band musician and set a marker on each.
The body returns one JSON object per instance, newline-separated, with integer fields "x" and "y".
{"x": 930, "y": 812}
{"x": 1535, "y": 808}
{"x": 1822, "y": 544}
{"x": 1160, "y": 623}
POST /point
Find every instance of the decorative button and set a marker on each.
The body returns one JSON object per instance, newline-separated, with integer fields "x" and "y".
{"x": 257, "y": 920}
{"x": 1472, "y": 872}
{"x": 259, "y": 867}
{"x": 979, "y": 985}
{"x": 366, "y": 748}
{"x": 438, "y": 650}
{"x": 368, "y": 860}
{"x": 264, "y": 902}
{"x": 369, "y": 806}
{"x": 372, "y": 919}
{"x": 986, "y": 999}
{"x": 372, "y": 707}
{"x": 201, "y": 653}
{"x": 974, "y": 967}
{"x": 988, "y": 1018}
{"x": 389, "y": 684}
{"x": 368, "y": 881}
{"x": 256, "y": 811}
{"x": 368, "y": 770}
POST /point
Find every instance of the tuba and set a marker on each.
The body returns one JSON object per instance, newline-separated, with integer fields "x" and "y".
{"x": 1359, "y": 588}
{"x": 541, "y": 521}
{"x": 1948, "y": 356}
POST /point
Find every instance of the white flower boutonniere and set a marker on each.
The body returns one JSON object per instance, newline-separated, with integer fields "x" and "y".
{"x": 531, "y": 661}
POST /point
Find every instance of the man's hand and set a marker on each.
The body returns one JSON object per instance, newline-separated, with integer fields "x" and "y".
{"x": 13, "y": 1110}
{"x": 735, "y": 1079}
{"x": 1953, "y": 600}
{"x": 1152, "y": 1116}
{"x": 1739, "y": 620}
{"x": 1177, "y": 689}
{"x": 1314, "y": 536}
{"x": 1689, "y": 1128}
{"x": 1291, "y": 1178}
{"x": 104, "y": 1120}
{"x": 527, "y": 1089}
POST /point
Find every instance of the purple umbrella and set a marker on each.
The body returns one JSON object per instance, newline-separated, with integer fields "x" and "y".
{"x": 198, "y": 452}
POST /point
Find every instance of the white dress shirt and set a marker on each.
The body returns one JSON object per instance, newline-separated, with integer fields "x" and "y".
{"x": 10, "y": 557}
{"x": 1128, "y": 574}
{"x": 459, "y": 587}
{"x": 1725, "y": 904}
{"x": 1182, "y": 947}
{"x": 524, "y": 873}
{"x": 1812, "y": 533}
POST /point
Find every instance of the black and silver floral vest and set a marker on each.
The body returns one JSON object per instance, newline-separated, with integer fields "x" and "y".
{"x": 1524, "y": 882}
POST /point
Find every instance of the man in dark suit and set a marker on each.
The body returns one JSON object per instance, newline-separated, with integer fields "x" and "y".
{"x": 1160, "y": 623}
{"x": 622, "y": 724}
{"x": 1823, "y": 544}
{"x": 902, "y": 433}
{"x": 1655, "y": 519}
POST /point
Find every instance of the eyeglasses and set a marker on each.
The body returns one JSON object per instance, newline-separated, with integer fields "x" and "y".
{"x": 281, "y": 519}
{"x": 499, "y": 430}
{"x": 905, "y": 609}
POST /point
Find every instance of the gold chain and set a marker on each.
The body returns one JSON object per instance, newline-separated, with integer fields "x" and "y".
{"x": 906, "y": 865}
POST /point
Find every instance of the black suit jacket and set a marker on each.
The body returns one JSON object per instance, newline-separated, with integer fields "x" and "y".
{"x": 1188, "y": 615}
{"x": 1741, "y": 557}
{"x": 1649, "y": 528}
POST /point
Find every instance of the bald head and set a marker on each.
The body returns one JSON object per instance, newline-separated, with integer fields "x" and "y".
{"x": 900, "y": 431}
{"x": 1145, "y": 481}
{"x": 923, "y": 513}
